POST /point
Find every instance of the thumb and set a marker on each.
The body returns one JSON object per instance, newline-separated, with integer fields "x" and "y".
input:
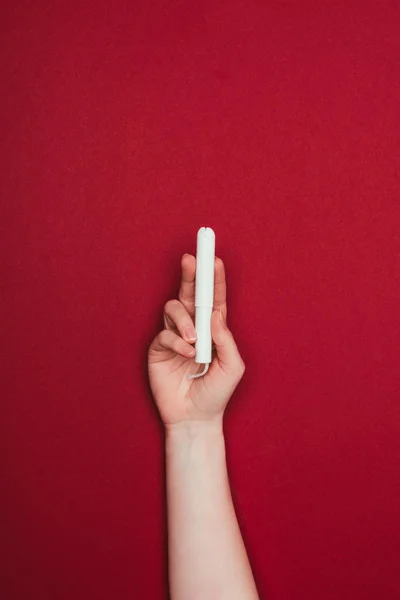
{"x": 225, "y": 345}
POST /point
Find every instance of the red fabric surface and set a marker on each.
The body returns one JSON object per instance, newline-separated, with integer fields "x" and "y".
{"x": 126, "y": 127}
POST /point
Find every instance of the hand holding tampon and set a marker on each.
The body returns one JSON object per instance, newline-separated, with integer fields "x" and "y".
{"x": 182, "y": 400}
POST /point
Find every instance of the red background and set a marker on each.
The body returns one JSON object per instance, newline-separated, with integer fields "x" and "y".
{"x": 126, "y": 127}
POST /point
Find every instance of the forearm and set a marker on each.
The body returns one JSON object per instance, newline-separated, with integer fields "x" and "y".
{"x": 207, "y": 557}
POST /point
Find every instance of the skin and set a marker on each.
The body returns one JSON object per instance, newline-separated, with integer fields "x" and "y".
{"x": 207, "y": 558}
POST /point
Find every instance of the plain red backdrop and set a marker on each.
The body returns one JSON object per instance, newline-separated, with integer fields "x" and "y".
{"x": 126, "y": 127}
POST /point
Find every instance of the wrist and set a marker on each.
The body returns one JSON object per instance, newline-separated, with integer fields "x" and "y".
{"x": 196, "y": 445}
{"x": 191, "y": 430}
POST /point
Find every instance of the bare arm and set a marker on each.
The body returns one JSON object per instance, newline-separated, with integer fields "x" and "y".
{"x": 207, "y": 557}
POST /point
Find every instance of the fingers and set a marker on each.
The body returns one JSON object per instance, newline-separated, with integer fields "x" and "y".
{"x": 228, "y": 353}
{"x": 187, "y": 288}
{"x": 168, "y": 340}
{"x": 220, "y": 286}
{"x": 178, "y": 317}
{"x": 179, "y": 314}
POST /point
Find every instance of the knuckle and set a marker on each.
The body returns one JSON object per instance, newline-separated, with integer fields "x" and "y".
{"x": 163, "y": 337}
{"x": 170, "y": 305}
{"x": 169, "y": 339}
{"x": 182, "y": 300}
{"x": 181, "y": 297}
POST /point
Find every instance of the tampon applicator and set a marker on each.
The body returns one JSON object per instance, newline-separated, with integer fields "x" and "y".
{"x": 204, "y": 297}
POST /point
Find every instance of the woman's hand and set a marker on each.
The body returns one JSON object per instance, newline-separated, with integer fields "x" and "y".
{"x": 182, "y": 401}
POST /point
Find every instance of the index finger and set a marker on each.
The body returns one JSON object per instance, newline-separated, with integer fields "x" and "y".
{"x": 187, "y": 289}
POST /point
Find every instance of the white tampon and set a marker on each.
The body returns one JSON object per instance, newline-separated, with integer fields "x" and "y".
{"x": 204, "y": 296}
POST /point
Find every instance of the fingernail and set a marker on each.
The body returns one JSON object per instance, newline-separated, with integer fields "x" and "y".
{"x": 190, "y": 333}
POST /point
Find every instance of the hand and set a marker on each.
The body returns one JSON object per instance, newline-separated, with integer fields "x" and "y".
{"x": 181, "y": 400}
